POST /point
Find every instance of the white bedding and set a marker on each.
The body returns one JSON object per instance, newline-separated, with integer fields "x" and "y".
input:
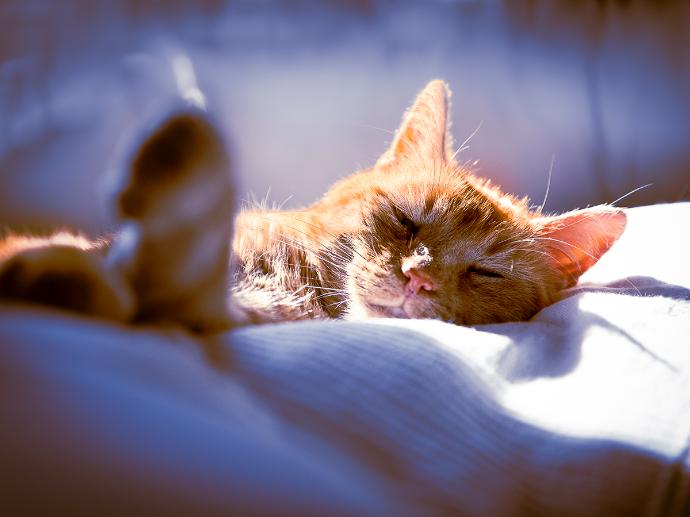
{"x": 584, "y": 410}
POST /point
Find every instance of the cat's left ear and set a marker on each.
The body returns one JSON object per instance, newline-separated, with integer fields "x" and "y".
{"x": 576, "y": 240}
{"x": 423, "y": 134}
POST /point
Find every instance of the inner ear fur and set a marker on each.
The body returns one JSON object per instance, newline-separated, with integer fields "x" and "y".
{"x": 424, "y": 133}
{"x": 576, "y": 240}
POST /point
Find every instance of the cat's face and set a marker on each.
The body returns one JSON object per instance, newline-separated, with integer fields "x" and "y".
{"x": 430, "y": 240}
{"x": 430, "y": 250}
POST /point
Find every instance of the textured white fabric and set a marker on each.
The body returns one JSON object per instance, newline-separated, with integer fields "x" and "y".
{"x": 584, "y": 410}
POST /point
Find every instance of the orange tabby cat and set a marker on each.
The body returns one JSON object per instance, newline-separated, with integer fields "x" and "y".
{"x": 415, "y": 236}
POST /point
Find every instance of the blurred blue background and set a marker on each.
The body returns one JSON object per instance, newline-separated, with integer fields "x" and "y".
{"x": 309, "y": 92}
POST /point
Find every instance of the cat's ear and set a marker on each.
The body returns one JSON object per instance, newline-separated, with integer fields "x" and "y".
{"x": 424, "y": 132}
{"x": 576, "y": 240}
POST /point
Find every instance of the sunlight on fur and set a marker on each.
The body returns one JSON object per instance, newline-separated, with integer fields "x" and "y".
{"x": 415, "y": 236}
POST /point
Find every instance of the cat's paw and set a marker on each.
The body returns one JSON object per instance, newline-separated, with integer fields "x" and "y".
{"x": 180, "y": 171}
{"x": 66, "y": 277}
{"x": 176, "y": 202}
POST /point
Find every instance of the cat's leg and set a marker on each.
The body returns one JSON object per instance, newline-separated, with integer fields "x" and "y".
{"x": 175, "y": 201}
{"x": 65, "y": 271}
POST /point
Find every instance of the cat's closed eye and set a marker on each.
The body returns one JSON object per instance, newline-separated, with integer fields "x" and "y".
{"x": 483, "y": 272}
{"x": 411, "y": 228}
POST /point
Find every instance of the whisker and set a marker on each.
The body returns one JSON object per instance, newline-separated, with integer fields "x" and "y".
{"x": 282, "y": 203}
{"x": 585, "y": 252}
{"x": 336, "y": 290}
{"x": 631, "y": 193}
{"x": 548, "y": 183}
{"x": 313, "y": 234}
{"x": 388, "y": 131}
{"x": 300, "y": 246}
{"x": 462, "y": 146}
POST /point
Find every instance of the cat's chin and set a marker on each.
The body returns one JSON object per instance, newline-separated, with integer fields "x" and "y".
{"x": 364, "y": 309}
{"x": 381, "y": 311}
{"x": 385, "y": 308}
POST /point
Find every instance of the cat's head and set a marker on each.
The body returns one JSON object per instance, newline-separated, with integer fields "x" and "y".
{"x": 431, "y": 240}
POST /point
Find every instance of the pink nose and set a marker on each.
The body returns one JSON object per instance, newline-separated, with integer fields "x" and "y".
{"x": 418, "y": 280}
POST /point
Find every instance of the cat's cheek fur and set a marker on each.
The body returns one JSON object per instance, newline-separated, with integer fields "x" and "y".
{"x": 358, "y": 286}
{"x": 373, "y": 287}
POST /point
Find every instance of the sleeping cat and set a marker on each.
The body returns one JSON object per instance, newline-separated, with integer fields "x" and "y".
{"x": 415, "y": 236}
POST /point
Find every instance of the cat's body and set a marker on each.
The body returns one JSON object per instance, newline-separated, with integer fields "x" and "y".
{"x": 415, "y": 236}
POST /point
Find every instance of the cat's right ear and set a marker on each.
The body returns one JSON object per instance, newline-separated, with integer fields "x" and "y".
{"x": 424, "y": 133}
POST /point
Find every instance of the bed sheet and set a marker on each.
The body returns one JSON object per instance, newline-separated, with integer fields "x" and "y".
{"x": 583, "y": 410}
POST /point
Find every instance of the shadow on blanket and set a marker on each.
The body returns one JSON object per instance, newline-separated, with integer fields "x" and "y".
{"x": 556, "y": 350}
{"x": 634, "y": 286}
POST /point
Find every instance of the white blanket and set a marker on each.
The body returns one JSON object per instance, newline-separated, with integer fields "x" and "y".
{"x": 584, "y": 410}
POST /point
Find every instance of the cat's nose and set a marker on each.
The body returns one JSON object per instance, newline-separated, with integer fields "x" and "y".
{"x": 418, "y": 280}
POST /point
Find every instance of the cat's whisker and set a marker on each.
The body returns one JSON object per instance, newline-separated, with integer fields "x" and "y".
{"x": 548, "y": 184}
{"x": 584, "y": 252}
{"x": 388, "y": 131}
{"x": 314, "y": 234}
{"x": 585, "y": 216}
{"x": 300, "y": 247}
{"x": 325, "y": 296}
{"x": 631, "y": 284}
{"x": 338, "y": 305}
{"x": 331, "y": 289}
{"x": 531, "y": 250}
{"x": 464, "y": 146}
{"x": 329, "y": 294}
{"x": 298, "y": 244}
{"x": 612, "y": 203}
{"x": 284, "y": 201}
{"x": 512, "y": 240}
